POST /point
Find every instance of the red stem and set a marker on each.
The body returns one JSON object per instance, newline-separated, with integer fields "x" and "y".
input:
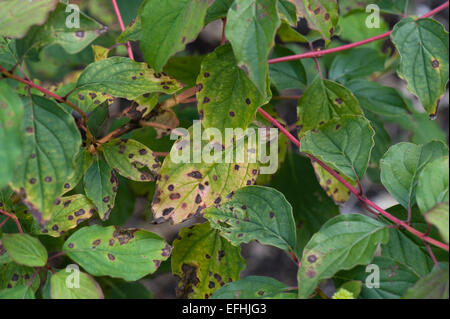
{"x": 315, "y": 54}
{"x": 352, "y": 189}
{"x": 122, "y": 27}
{"x": 14, "y": 218}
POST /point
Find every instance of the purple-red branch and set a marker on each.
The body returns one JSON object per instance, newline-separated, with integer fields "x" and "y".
{"x": 122, "y": 27}
{"x": 315, "y": 54}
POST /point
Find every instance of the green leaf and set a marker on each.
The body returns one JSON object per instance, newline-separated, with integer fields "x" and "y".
{"x": 342, "y": 243}
{"x": 25, "y": 250}
{"x": 251, "y": 28}
{"x": 345, "y": 144}
{"x": 322, "y": 16}
{"x": 125, "y": 202}
{"x": 255, "y": 213}
{"x": 395, "y": 278}
{"x": 100, "y": 183}
{"x": 226, "y": 97}
{"x": 17, "y": 292}
{"x": 108, "y": 251}
{"x": 432, "y": 185}
{"x": 61, "y": 28}
{"x": 254, "y": 287}
{"x": 311, "y": 206}
{"x": 188, "y": 183}
{"x": 168, "y": 26}
{"x": 218, "y": 10}
{"x": 288, "y": 75}
{"x": 402, "y": 165}
{"x": 184, "y": 68}
{"x": 51, "y": 141}
{"x": 424, "y": 48}
{"x": 438, "y": 216}
{"x": 322, "y": 101}
{"x": 119, "y": 289}
{"x": 19, "y": 16}
{"x": 123, "y": 77}
{"x": 356, "y": 63}
{"x": 11, "y": 114}
{"x": 288, "y": 11}
{"x": 378, "y": 99}
{"x": 71, "y": 285}
{"x": 131, "y": 159}
{"x": 68, "y": 214}
{"x": 433, "y": 286}
{"x": 204, "y": 261}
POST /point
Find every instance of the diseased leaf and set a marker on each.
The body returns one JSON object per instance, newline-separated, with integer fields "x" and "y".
{"x": 123, "y": 77}
{"x": 66, "y": 26}
{"x": 334, "y": 189}
{"x": 251, "y": 27}
{"x": 18, "y": 292}
{"x": 12, "y": 275}
{"x": 100, "y": 184}
{"x": 25, "y": 250}
{"x": 204, "y": 261}
{"x": 322, "y": 101}
{"x": 86, "y": 287}
{"x": 288, "y": 11}
{"x": 342, "y": 243}
{"x": 322, "y": 16}
{"x": 121, "y": 253}
{"x": 184, "y": 68}
{"x": 424, "y": 48}
{"x": 402, "y": 165}
{"x": 432, "y": 286}
{"x": 69, "y": 212}
{"x": 345, "y": 144}
{"x": 438, "y": 216}
{"x": 191, "y": 182}
{"x": 11, "y": 114}
{"x": 395, "y": 278}
{"x": 255, "y": 213}
{"x": 254, "y": 287}
{"x": 311, "y": 206}
{"x": 51, "y": 141}
{"x": 168, "y": 26}
{"x": 226, "y": 97}
{"x": 131, "y": 159}
{"x": 432, "y": 184}
{"x": 18, "y": 16}
{"x": 356, "y": 63}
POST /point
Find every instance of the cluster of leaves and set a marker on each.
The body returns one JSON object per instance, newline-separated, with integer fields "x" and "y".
{"x": 71, "y": 179}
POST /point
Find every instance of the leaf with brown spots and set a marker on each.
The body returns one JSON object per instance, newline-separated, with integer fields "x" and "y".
{"x": 200, "y": 184}
{"x": 322, "y": 15}
{"x": 255, "y": 287}
{"x": 227, "y": 88}
{"x": 255, "y": 213}
{"x": 51, "y": 141}
{"x": 342, "y": 243}
{"x": 123, "y": 77}
{"x": 12, "y": 275}
{"x": 68, "y": 213}
{"x": 323, "y": 101}
{"x": 99, "y": 182}
{"x": 424, "y": 48}
{"x": 119, "y": 253}
{"x": 132, "y": 159}
{"x": 204, "y": 261}
{"x": 338, "y": 192}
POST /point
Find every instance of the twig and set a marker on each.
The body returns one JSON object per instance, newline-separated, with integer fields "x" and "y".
{"x": 122, "y": 27}
{"x": 14, "y": 218}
